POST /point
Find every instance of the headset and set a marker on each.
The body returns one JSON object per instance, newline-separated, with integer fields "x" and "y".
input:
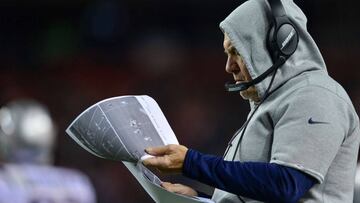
{"x": 282, "y": 41}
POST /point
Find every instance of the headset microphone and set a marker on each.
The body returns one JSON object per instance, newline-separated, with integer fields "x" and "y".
{"x": 245, "y": 85}
{"x": 237, "y": 87}
{"x": 282, "y": 41}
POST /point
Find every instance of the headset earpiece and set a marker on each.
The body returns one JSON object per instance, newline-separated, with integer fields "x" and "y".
{"x": 282, "y": 38}
{"x": 282, "y": 41}
{"x": 271, "y": 44}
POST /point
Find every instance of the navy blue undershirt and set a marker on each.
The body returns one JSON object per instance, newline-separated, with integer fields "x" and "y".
{"x": 260, "y": 181}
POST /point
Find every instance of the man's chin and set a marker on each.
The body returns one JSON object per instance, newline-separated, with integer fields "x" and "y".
{"x": 244, "y": 95}
{"x": 249, "y": 95}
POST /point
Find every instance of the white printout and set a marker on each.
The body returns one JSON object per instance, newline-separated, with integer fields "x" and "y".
{"x": 120, "y": 128}
{"x": 151, "y": 184}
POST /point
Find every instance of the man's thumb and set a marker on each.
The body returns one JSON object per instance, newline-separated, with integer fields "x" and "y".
{"x": 157, "y": 151}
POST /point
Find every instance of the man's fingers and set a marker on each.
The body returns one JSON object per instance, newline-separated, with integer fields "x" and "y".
{"x": 166, "y": 185}
{"x": 158, "y": 162}
{"x": 179, "y": 188}
{"x": 171, "y": 187}
{"x": 150, "y": 161}
{"x": 157, "y": 151}
{"x": 167, "y": 158}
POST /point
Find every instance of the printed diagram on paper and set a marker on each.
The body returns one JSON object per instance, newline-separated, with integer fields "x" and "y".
{"x": 120, "y": 128}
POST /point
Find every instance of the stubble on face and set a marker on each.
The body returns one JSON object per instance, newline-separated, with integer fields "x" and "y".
{"x": 236, "y": 66}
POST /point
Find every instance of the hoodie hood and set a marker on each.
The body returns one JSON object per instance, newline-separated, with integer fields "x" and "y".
{"x": 247, "y": 27}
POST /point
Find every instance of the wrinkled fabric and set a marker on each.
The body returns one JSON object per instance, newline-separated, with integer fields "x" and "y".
{"x": 308, "y": 122}
{"x": 262, "y": 181}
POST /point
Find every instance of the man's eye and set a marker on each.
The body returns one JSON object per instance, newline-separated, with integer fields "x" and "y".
{"x": 234, "y": 52}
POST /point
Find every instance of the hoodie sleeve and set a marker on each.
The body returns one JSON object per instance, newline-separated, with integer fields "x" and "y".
{"x": 310, "y": 126}
{"x": 259, "y": 181}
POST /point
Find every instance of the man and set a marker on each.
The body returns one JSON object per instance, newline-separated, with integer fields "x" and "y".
{"x": 27, "y": 138}
{"x": 301, "y": 139}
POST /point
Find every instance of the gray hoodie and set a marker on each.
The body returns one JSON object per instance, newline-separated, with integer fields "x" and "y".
{"x": 308, "y": 123}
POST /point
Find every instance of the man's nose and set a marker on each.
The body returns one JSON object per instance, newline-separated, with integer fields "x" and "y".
{"x": 231, "y": 65}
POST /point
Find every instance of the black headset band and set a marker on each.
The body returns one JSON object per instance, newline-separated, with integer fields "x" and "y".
{"x": 282, "y": 42}
{"x": 243, "y": 86}
{"x": 277, "y": 8}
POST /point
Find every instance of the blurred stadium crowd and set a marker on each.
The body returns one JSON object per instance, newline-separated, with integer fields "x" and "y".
{"x": 70, "y": 54}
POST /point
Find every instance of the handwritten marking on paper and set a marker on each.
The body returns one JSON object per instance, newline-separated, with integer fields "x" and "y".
{"x": 147, "y": 139}
{"x": 133, "y": 123}
{"x": 98, "y": 124}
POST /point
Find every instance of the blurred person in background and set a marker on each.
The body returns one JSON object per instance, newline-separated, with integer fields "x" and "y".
{"x": 301, "y": 139}
{"x": 27, "y": 140}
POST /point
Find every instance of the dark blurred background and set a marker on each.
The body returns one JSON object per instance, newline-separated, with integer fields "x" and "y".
{"x": 71, "y": 54}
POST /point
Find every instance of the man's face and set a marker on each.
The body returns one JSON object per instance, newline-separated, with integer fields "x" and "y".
{"x": 236, "y": 66}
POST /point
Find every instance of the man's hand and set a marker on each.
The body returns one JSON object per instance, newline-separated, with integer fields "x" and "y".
{"x": 179, "y": 189}
{"x": 168, "y": 159}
